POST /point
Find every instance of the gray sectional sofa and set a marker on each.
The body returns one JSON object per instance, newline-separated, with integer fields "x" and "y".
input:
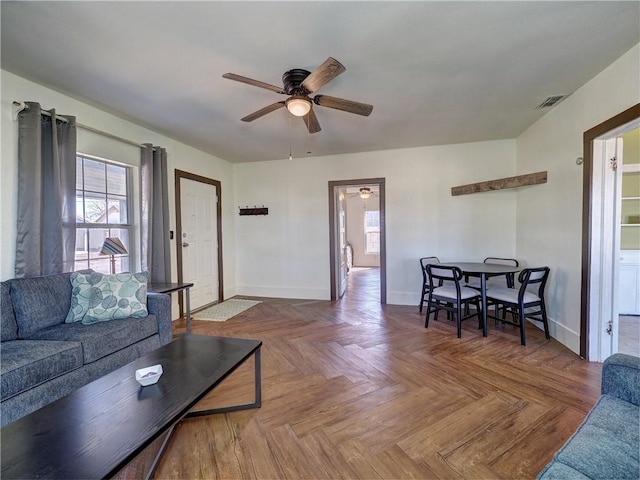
{"x": 42, "y": 358}
{"x": 607, "y": 444}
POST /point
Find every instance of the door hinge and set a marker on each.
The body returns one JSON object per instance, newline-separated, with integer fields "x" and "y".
{"x": 609, "y": 327}
{"x": 613, "y": 163}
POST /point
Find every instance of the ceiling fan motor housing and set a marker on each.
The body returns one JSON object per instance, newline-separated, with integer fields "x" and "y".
{"x": 292, "y": 81}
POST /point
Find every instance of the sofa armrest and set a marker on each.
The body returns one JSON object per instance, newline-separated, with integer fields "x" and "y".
{"x": 621, "y": 377}
{"x": 159, "y": 304}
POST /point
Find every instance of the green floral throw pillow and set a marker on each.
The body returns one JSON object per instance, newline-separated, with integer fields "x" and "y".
{"x": 116, "y": 296}
{"x": 83, "y": 286}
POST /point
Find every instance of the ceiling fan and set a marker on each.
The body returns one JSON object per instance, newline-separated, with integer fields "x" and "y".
{"x": 364, "y": 193}
{"x": 298, "y": 84}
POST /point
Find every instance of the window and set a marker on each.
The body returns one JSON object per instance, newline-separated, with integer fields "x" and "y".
{"x": 103, "y": 193}
{"x": 372, "y": 231}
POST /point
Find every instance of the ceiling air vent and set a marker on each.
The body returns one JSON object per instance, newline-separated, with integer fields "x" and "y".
{"x": 551, "y": 101}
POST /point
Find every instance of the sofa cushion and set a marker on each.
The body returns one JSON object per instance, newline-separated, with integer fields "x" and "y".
{"x": 8, "y": 325}
{"x": 606, "y": 444}
{"x": 560, "y": 471}
{"x": 33, "y": 399}
{"x": 40, "y": 302}
{"x": 621, "y": 377}
{"x": 101, "y": 339}
{"x": 117, "y": 296}
{"x": 28, "y": 363}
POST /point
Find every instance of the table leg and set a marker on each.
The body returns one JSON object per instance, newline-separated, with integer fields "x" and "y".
{"x": 258, "y": 380}
{"x": 188, "y": 302}
{"x": 163, "y": 448}
{"x": 483, "y": 296}
{"x": 234, "y": 408}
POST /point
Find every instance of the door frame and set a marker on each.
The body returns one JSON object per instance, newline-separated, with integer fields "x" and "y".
{"x": 333, "y": 250}
{"x": 179, "y": 175}
{"x": 589, "y": 136}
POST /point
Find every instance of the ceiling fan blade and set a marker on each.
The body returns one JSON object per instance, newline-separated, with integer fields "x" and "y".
{"x": 342, "y": 104}
{"x": 322, "y": 75}
{"x": 263, "y": 111}
{"x": 311, "y": 121}
{"x": 255, "y": 83}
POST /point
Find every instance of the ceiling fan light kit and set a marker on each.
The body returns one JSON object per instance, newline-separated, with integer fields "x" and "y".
{"x": 298, "y": 84}
{"x": 298, "y": 106}
{"x": 365, "y": 192}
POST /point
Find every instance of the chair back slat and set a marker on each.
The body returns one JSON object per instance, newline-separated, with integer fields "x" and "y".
{"x": 511, "y": 262}
{"x": 424, "y": 261}
{"x": 536, "y": 276}
{"x": 533, "y": 276}
{"x": 439, "y": 272}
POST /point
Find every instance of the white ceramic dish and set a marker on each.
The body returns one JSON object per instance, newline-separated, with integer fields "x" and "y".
{"x": 149, "y": 375}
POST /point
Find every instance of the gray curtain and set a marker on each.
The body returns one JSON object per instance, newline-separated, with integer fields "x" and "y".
{"x": 46, "y": 229}
{"x": 154, "y": 230}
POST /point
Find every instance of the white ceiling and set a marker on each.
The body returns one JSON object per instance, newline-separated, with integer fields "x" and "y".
{"x": 436, "y": 72}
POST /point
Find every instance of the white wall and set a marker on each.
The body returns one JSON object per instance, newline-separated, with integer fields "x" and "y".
{"x": 179, "y": 155}
{"x": 286, "y": 253}
{"x": 549, "y": 217}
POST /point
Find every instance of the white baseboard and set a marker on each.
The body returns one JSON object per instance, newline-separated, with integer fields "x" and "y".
{"x": 229, "y": 292}
{"x": 562, "y": 334}
{"x": 283, "y": 292}
{"x": 403, "y": 298}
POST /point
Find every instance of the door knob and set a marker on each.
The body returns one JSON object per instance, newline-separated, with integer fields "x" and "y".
{"x": 185, "y": 244}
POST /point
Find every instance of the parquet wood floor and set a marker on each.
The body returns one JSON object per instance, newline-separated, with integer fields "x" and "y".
{"x": 355, "y": 389}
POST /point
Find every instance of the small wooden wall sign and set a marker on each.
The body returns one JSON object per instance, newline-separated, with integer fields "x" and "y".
{"x": 501, "y": 183}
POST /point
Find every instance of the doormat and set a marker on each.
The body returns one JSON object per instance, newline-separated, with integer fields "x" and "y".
{"x": 225, "y": 310}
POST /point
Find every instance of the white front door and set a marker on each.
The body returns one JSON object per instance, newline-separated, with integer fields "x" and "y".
{"x": 199, "y": 240}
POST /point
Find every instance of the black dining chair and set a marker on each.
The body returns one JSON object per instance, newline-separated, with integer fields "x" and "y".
{"x": 510, "y": 277}
{"x": 424, "y": 261}
{"x": 520, "y": 301}
{"x": 446, "y": 293}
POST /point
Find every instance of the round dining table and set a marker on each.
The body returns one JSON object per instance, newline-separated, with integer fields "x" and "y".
{"x": 484, "y": 271}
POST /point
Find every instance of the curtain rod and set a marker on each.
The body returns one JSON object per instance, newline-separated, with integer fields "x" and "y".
{"x": 22, "y": 106}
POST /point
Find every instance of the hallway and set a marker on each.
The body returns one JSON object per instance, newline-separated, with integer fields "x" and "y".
{"x": 363, "y": 287}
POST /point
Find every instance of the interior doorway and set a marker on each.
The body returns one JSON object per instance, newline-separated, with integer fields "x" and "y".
{"x": 199, "y": 238}
{"x": 357, "y": 235}
{"x": 606, "y": 240}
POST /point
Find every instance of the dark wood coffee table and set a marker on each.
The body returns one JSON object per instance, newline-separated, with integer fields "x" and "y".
{"x": 99, "y": 428}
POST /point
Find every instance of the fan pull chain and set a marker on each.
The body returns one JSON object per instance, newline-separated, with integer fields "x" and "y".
{"x": 308, "y": 133}
{"x": 290, "y": 155}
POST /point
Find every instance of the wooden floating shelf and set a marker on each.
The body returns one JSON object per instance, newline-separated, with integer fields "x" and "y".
{"x": 501, "y": 184}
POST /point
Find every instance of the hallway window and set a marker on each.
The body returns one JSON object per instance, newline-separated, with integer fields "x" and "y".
{"x": 372, "y": 231}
